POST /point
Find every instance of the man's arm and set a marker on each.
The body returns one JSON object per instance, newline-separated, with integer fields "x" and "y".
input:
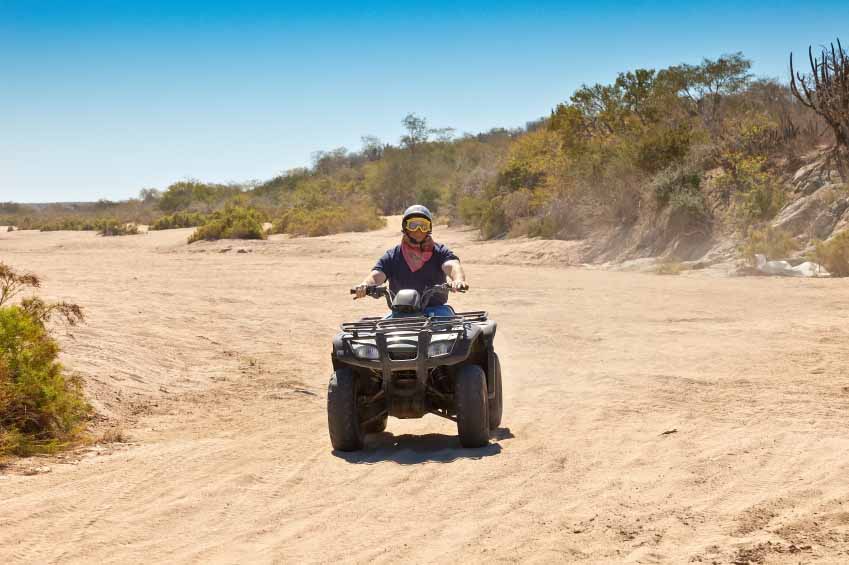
{"x": 455, "y": 272}
{"x": 374, "y": 278}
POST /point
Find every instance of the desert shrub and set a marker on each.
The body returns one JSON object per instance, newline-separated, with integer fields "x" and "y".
{"x": 833, "y": 254}
{"x": 113, "y": 228}
{"x": 674, "y": 180}
{"x": 774, "y": 243}
{"x": 688, "y": 209}
{"x": 328, "y": 220}
{"x": 558, "y": 219}
{"x": 660, "y": 147}
{"x": 193, "y": 194}
{"x": 758, "y": 195}
{"x": 233, "y": 222}
{"x": 67, "y": 224}
{"x": 494, "y": 222}
{"x": 669, "y": 268}
{"x": 179, "y": 220}
{"x": 40, "y": 407}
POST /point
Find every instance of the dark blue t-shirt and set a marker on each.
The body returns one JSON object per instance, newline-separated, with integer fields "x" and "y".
{"x": 393, "y": 265}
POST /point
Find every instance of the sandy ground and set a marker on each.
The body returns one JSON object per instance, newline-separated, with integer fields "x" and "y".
{"x": 648, "y": 419}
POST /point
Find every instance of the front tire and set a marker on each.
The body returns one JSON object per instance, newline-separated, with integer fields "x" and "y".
{"x": 343, "y": 419}
{"x": 470, "y": 400}
{"x": 496, "y": 405}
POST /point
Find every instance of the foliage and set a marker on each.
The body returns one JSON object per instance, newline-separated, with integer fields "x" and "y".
{"x": 771, "y": 242}
{"x": 179, "y": 220}
{"x": 758, "y": 194}
{"x": 110, "y": 228}
{"x": 40, "y": 408}
{"x": 195, "y": 195}
{"x": 674, "y": 180}
{"x": 669, "y": 268}
{"x": 328, "y": 220}
{"x": 233, "y": 222}
{"x": 833, "y": 254}
{"x": 688, "y": 211}
{"x": 703, "y": 145}
{"x": 826, "y": 92}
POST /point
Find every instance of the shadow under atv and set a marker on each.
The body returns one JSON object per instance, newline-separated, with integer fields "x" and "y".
{"x": 409, "y": 449}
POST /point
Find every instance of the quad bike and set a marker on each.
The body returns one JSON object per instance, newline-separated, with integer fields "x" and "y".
{"x": 409, "y": 365}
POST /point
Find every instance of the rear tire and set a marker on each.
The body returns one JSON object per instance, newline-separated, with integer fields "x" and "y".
{"x": 343, "y": 419}
{"x": 470, "y": 401}
{"x": 496, "y": 405}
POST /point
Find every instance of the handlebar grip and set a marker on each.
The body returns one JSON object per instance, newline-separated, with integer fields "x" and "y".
{"x": 375, "y": 291}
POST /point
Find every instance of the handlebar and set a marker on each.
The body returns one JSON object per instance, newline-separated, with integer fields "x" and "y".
{"x": 380, "y": 291}
{"x": 373, "y": 291}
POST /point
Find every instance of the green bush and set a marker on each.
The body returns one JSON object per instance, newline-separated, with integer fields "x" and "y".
{"x": 758, "y": 194}
{"x": 69, "y": 224}
{"x": 674, "y": 180}
{"x": 328, "y": 220}
{"x": 180, "y": 220}
{"x": 113, "y": 228}
{"x": 658, "y": 148}
{"x": 772, "y": 242}
{"x": 40, "y": 408}
{"x": 688, "y": 208}
{"x": 234, "y": 222}
{"x": 833, "y": 254}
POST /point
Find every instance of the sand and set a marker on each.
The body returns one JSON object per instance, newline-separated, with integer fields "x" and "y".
{"x": 648, "y": 419}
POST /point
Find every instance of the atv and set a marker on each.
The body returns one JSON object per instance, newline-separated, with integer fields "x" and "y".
{"x": 408, "y": 365}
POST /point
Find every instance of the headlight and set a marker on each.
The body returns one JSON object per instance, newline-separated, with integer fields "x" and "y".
{"x": 439, "y": 348}
{"x": 365, "y": 351}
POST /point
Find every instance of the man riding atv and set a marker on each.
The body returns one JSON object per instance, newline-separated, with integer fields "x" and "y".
{"x": 417, "y": 263}
{"x": 422, "y": 358}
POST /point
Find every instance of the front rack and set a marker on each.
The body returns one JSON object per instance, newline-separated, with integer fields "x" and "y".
{"x": 434, "y": 324}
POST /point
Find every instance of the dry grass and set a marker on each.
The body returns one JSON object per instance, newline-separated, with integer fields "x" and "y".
{"x": 669, "y": 268}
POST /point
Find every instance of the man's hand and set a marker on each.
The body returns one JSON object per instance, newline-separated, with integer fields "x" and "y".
{"x": 459, "y": 286}
{"x": 361, "y": 291}
{"x": 375, "y": 278}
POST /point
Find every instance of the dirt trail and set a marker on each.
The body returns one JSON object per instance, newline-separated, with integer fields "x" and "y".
{"x": 648, "y": 419}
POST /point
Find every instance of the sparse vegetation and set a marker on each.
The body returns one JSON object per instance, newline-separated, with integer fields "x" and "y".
{"x": 833, "y": 254}
{"x": 328, "y": 220}
{"x": 772, "y": 242}
{"x": 826, "y": 92}
{"x": 180, "y": 220}
{"x": 695, "y": 148}
{"x": 669, "y": 268}
{"x": 115, "y": 228}
{"x": 41, "y": 408}
{"x": 233, "y": 222}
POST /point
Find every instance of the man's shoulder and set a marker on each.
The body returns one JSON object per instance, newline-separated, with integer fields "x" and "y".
{"x": 393, "y": 251}
{"x": 443, "y": 251}
{"x": 391, "y": 254}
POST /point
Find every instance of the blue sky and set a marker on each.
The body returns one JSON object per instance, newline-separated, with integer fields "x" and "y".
{"x": 101, "y": 99}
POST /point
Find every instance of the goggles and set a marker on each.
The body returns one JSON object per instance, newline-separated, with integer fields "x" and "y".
{"x": 418, "y": 224}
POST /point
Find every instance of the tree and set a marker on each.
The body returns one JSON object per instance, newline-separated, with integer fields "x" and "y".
{"x": 826, "y": 92}
{"x": 327, "y": 162}
{"x": 147, "y": 195}
{"x": 637, "y": 92}
{"x": 443, "y": 135}
{"x": 417, "y": 132}
{"x": 372, "y": 148}
{"x": 705, "y": 85}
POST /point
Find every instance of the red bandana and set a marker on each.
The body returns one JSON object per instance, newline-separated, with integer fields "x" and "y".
{"x": 416, "y": 255}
